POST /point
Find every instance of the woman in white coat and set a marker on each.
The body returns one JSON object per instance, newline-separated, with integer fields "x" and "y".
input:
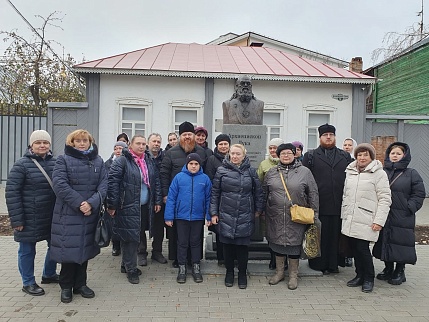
{"x": 366, "y": 204}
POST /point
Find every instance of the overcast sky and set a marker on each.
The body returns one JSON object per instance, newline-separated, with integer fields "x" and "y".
{"x": 95, "y": 29}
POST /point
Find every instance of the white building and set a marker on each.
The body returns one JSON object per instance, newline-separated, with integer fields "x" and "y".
{"x": 157, "y": 88}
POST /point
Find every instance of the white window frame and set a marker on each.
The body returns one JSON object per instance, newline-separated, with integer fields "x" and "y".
{"x": 185, "y": 105}
{"x": 331, "y": 111}
{"x": 138, "y": 103}
{"x": 275, "y": 108}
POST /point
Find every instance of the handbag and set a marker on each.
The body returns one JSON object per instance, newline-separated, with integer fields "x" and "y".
{"x": 299, "y": 214}
{"x": 102, "y": 231}
{"x": 311, "y": 242}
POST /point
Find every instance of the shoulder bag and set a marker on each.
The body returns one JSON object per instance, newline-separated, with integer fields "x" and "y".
{"x": 43, "y": 172}
{"x": 299, "y": 214}
{"x": 102, "y": 231}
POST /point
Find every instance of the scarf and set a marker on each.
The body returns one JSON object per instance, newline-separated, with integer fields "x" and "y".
{"x": 143, "y": 167}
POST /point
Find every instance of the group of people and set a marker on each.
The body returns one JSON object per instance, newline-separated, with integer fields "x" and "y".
{"x": 357, "y": 199}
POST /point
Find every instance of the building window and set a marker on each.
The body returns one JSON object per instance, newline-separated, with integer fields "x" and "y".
{"x": 134, "y": 116}
{"x": 316, "y": 116}
{"x": 186, "y": 110}
{"x": 274, "y": 120}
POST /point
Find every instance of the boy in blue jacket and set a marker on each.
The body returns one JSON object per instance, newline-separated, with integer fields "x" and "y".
{"x": 188, "y": 203}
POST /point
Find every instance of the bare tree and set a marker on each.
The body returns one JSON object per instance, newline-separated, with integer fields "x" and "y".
{"x": 31, "y": 72}
{"x": 394, "y": 43}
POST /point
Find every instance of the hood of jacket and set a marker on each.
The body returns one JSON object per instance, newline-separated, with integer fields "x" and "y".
{"x": 243, "y": 166}
{"x": 69, "y": 150}
{"x": 401, "y": 164}
{"x": 32, "y": 155}
{"x": 185, "y": 170}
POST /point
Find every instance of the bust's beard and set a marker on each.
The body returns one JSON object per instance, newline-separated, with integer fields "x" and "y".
{"x": 245, "y": 97}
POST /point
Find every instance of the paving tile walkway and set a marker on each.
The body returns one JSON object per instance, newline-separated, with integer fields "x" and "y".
{"x": 159, "y": 298}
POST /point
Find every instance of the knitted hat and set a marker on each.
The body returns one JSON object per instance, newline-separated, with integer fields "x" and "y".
{"x": 41, "y": 135}
{"x": 186, "y": 127}
{"x": 286, "y": 146}
{"x": 222, "y": 137}
{"x": 365, "y": 147}
{"x": 326, "y": 128}
{"x": 201, "y": 129}
{"x": 298, "y": 144}
{"x": 276, "y": 142}
{"x": 193, "y": 157}
{"x": 120, "y": 143}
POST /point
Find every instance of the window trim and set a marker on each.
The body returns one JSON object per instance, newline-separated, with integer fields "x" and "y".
{"x": 329, "y": 110}
{"x": 135, "y": 102}
{"x": 270, "y": 107}
{"x": 185, "y": 105}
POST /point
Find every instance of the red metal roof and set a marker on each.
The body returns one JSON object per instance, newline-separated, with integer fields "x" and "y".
{"x": 191, "y": 60}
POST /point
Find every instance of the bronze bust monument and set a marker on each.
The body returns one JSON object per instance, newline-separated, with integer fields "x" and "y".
{"x": 243, "y": 107}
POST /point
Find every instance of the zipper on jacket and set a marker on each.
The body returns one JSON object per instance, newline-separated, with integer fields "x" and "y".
{"x": 192, "y": 198}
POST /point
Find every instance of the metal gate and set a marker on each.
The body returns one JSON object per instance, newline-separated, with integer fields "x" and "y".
{"x": 415, "y": 135}
{"x": 66, "y": 117}
{"x": 17, "y": 122}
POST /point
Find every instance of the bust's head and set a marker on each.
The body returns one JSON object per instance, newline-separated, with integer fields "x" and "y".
{"x": 243, "y": 88}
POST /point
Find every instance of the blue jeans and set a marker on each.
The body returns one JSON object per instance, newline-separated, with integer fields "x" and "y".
{"x": 26, "y": 255}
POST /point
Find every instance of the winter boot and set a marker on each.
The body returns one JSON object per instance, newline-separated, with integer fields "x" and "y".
{"x": 280, "y": 272}
{"x": 229, "y": 278}
{"x": 181, "y": 276}
{"x": 387, "y": 272}
{"x": 398, "y": 276}
{"x": 242, "y": 280}
{"x": 293, "y": 273}
{"x": 196, "y": 273}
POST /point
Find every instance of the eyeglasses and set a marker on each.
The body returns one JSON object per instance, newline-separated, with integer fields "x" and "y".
{"x": 283, "y": 154}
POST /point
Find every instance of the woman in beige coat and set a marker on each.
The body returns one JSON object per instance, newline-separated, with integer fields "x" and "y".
{"x": 366, "y": 204}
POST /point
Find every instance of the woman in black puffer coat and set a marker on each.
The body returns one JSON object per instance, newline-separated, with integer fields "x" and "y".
{"x": 30, "y": 202}
{"x": 80, "y": 183}
{"x": 236, "y": 199}
{"x": 396, "y": 241}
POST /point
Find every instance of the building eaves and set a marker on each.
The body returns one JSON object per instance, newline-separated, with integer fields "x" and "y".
{"x": 162, "y": 73}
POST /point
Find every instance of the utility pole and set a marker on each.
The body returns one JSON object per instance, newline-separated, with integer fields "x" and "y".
{"x": 420, "y": 14}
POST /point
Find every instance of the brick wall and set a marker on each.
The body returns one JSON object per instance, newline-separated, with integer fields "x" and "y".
{"x": 380, "y": 143}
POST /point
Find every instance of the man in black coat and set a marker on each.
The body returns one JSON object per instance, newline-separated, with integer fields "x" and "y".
{"x": 327, "y": 164}
{"x": 174, "y": 160}
{"x": 157, "y": 154}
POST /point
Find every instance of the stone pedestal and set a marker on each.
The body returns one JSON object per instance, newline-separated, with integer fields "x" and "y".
{"x": 253, "y": 137}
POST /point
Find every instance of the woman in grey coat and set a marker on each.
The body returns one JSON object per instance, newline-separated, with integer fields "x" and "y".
{"x": 285, "y": 236}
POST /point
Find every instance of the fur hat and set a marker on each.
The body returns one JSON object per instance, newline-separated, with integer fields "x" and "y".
{"x": 186, "y": 127}
{"x": 286, "y": 146}
{"x": 120, "y": 143}
{"x": 365, "y": 147}
{"x": 298, "y": 144}
{"x": 276, "y": 142}
{"x": 41, "y": 135}
{"x": 326, "y": 128}
{"x": 193, "y": 157}
{"x": 222, "y": 137}
{"x": 201, "y": 129}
